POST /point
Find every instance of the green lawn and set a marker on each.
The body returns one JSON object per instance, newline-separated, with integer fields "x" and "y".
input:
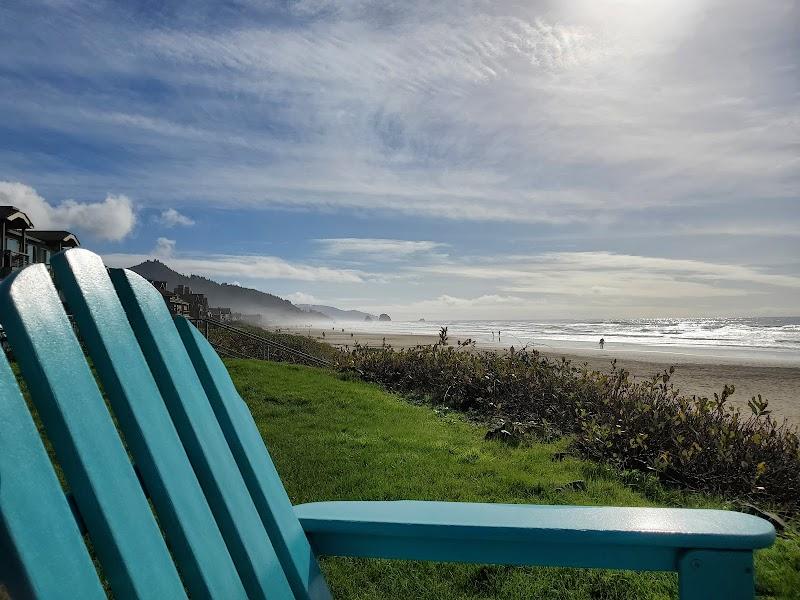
{"x": 333, "y": 439}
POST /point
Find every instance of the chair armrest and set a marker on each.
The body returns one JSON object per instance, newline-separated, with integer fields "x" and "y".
{"x": 517, "y": 534}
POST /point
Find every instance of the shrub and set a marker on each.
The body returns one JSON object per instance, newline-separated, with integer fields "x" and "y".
{"x": 696, "y": 442}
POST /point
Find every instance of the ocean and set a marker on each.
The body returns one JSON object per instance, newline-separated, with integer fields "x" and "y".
{"x": 770, "y": 339}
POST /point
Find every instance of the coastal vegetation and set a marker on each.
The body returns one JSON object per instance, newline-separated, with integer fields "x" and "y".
{"x": 696, "y": 443}
{"x": 336, "y": 438}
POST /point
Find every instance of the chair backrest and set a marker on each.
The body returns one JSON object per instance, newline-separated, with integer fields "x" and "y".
{"x": 259, "y": 472}
{"x": 207, "y": 513}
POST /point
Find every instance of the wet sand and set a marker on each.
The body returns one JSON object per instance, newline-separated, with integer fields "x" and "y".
{"x": 694, "y": 374}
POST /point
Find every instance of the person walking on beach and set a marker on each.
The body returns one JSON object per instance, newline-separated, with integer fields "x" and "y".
{"x": 602, "y": 343}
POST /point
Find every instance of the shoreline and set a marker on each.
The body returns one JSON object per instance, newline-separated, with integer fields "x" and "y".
{"x": 696, "y": 373}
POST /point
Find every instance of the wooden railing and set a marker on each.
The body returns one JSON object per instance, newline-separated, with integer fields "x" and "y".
{"x": 240, "y": 343}
{"x": 15, "y": 259}
{"x": 11, "y": 260}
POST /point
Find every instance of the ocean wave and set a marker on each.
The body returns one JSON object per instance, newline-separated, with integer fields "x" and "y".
{"x": 779, "y": 333}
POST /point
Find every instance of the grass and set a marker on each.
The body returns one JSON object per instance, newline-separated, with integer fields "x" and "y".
{"x": 696, "y": 443}
{"x": 334, "y": 439}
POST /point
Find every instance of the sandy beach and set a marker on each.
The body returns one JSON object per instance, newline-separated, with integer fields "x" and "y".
{"x": 779, "y": 385}
{"x": 694, "y": 373}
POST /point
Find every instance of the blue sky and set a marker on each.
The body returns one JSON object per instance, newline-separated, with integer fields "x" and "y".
{"x": 449, "y": 159}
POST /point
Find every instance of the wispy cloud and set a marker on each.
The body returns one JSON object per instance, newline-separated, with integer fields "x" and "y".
{"x": 768, "y": 230}
{"x": 610, "y": 274}
{"x": 532, "y": 113}
{"x": 356, "y": 52}
{"x": 376, "y": 249}
{"x": 621, "y": 149}
{"x": 247, "y": 268}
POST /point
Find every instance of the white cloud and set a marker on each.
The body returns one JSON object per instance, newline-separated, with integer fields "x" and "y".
{"x": 301, "y": 298}
{"x": 112, "y": 219}
{"x": 164, "y": 248}
{"x": 171, "y": 217}
{"x": 264, "y": 267}
{"x": 376, "y": 249}
{"x": 246, "y": 268}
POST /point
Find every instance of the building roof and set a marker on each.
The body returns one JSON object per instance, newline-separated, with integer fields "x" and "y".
{"x": 15, "y": 217}
{"x": 65, "y": 238}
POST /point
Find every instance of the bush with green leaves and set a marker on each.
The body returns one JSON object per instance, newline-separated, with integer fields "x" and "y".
{"x": 695, "y": 442}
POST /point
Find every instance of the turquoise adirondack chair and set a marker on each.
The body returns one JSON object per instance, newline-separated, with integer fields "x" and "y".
{"x": 177, "y": 496}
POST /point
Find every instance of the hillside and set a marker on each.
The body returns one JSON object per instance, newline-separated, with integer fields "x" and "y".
{"x": 337, "y": 313}
{"x": 239, "y": 299}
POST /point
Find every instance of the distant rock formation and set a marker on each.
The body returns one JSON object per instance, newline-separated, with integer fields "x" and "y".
{"x": 384, "y": 317}
{"x": 368, "y": 318}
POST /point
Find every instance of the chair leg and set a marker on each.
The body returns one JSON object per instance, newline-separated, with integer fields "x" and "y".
{"x": 716, "y": 575}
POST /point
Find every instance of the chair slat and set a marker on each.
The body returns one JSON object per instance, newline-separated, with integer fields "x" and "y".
{"x": 42, "y": 553}
{"x": 202, "y": 437}
{"x": 123, "y": 530}
{"x": 199, "y": 550}
{"x": 257, "y": 468}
